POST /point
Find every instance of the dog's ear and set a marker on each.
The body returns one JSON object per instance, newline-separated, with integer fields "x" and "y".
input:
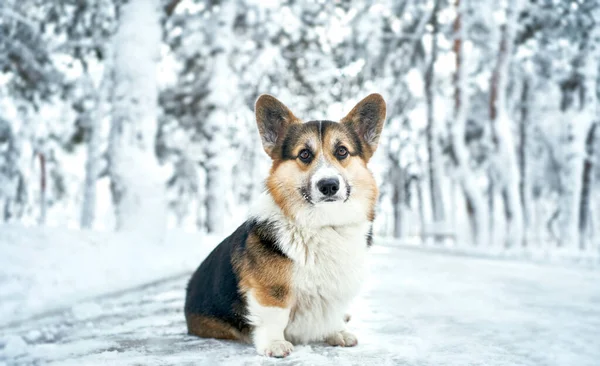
{"x": 366, "y": 119}
{"x": 272, "y": 118}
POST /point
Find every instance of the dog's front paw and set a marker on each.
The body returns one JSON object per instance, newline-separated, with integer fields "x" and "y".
{"x": 342, "y": 339}
{"x": 277, "y": 349}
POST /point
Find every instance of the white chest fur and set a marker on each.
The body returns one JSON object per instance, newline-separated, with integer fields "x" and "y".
{"x": 328, "y": 269}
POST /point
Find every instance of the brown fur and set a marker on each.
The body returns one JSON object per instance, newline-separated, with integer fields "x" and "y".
{"x": 354, "y": 168}
{"x": 206, "y": 327}
{"x": 368, "y": 113}
{"x": 282, "y": 185}
{"x": 275, "y": 118}
{"x": 265, "y": 273}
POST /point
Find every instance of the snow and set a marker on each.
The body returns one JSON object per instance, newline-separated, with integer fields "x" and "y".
{"x": 14, "y": 346}
{"x": 416, "y": 307}
{"x": 44, "y": 269}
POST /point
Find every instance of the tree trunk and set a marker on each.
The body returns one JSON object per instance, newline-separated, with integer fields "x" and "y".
{"x": 506, "y": 157}
{"x": 491, "y": 191}
{"x": 476, "y": 208}
{"x": 219, "y": 105}
{"x": 574, "y": 205}
{"x": 435, "y": 166}
{"x": 587, "y": 130}
{"x": 137, "y": 190}
{"x": 419, "y": 189}
{"x": 42, "y": 218}
{"x": 201, "y": 194}
{"x": 524, "y": 186}
{"x": 92, "y": 164}
{"x": 216, "y": 191}
{"x": 584, "y": 203}
{"x": 397, "y": 199}
{"x": 88, "y": 206}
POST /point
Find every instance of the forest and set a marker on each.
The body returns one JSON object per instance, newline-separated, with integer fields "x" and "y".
{"x": 137, "y": 115}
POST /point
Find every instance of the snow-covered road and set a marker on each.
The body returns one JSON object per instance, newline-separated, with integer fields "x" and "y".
{"x": 417, "y": 308}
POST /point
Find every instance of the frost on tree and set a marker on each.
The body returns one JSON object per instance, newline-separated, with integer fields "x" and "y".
{"x": 136, "y": 184}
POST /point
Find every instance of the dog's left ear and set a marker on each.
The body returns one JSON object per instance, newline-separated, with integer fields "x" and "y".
{"x": 366, "y": 119}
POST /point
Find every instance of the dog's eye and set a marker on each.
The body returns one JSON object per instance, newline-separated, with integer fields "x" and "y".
{"x": 305, "y": 155}
{"x": 341, "y": 152}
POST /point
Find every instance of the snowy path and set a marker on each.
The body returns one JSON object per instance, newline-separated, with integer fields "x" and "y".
{"x": 417, "y": 308}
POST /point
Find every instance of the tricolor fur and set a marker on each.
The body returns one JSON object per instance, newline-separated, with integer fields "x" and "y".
{"x": 287, "y": 275}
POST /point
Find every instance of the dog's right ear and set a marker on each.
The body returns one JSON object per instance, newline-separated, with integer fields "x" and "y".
{"x": 273, "y": 118}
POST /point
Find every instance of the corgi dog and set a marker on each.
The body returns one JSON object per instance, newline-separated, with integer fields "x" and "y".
{"x": 287, "y": 275}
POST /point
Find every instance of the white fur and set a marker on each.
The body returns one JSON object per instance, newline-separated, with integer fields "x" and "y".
{"x": 327, "y": 243}
{"x": 269, "y": 324}
{"x": 325, "y": 171}
{"x": 343, "y": 339}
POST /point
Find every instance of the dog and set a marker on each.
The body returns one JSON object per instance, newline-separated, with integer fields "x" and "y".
{"x": 287, "y": 275}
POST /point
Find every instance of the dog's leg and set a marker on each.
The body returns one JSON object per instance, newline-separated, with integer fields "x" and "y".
{"x": 269, "y": 323}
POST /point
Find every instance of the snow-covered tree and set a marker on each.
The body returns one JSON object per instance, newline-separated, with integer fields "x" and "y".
{"x": 435, "y": 164}
{"x": 475, "y": 201}
{"x": 505, "y": 159}
{"x": 136, "y": 180}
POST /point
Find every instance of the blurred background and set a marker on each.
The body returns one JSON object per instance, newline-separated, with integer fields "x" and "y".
{"x": 138, "y": 115}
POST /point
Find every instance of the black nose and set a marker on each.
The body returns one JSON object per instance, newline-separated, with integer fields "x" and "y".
{"x": 328, "y": 186}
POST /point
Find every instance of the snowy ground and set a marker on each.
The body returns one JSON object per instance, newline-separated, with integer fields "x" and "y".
{"x": 417, "y": 308}
{"x": 44, "y": 269}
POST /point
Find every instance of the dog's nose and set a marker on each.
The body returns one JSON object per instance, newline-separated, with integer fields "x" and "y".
{"x": 328, "y": 186}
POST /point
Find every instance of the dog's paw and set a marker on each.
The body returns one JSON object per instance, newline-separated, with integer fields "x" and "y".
{"x": 277, "y": 349}
{"x": 342, "y": 339}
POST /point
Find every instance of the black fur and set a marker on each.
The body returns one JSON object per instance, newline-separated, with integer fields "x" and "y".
{"x": 358, "y": 147}
{"x": 266, "y": 234}
{"x": 293, "y": 134}
{"x": 213, "y": 290}
{"x": 296, "y": 131}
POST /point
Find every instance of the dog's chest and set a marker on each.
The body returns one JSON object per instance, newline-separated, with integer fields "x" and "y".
{"x": 328, "y": 267}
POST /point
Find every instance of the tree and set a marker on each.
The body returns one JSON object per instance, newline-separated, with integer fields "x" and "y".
{"x": 136, "y": 186}
{"x": 588, "y": 124}
{"x": 505, "y": 158}
{"x": 435, "y": 165}
{"x": 475, "y": 201}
